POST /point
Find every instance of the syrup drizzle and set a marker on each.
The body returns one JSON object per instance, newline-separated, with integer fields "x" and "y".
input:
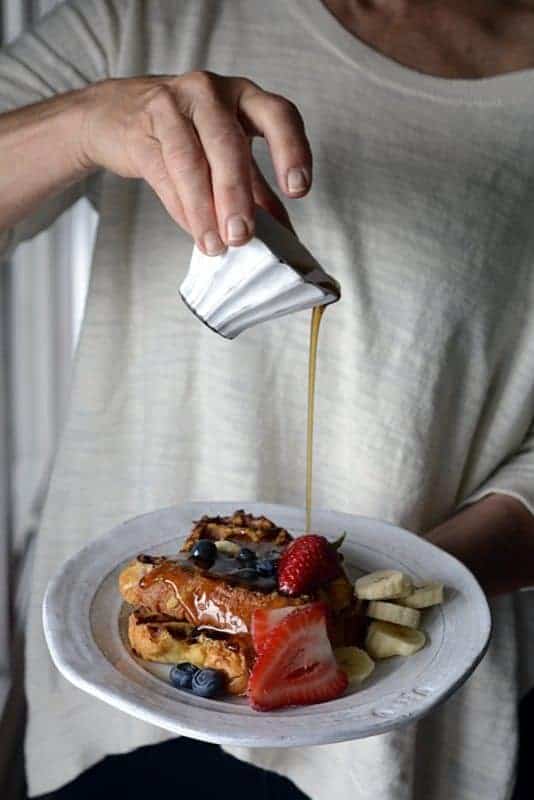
{"x": 317, "y": 314}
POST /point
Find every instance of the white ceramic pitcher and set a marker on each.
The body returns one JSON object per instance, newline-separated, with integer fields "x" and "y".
{"x": 270, "y": 276}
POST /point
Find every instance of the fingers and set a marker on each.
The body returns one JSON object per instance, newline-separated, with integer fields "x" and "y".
{"x": 189, "y": 173}
{"x": 152, "y": 168}
{"x": 197, "y": 156}
{"x": 267, "y": 199}
{"x": 280, "y": 122}
{"x": 228, "y": 153}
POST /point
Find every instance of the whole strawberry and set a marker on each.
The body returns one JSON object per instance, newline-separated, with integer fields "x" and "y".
{"x": 307, "y": 563}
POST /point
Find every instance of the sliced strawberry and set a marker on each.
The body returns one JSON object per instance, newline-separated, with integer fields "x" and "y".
{"x": 264, "y": 620}
{"x": 308, "y": 562}
{"x": 296, "y": 665}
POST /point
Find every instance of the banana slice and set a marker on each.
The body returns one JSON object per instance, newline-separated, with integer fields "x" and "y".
{"x": 385, "y": 584}
{"x": 424, "y": 596}
{"x": 390, "y": 612}
{"x": 227, "y": 547}
{"x": 355, "y": 662}
{"x": 385, "y": 640}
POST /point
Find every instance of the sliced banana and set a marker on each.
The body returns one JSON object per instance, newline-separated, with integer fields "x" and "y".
{"x": 227, "y": 547}
{"x": 355, "y": 662}
{"x": 390, "y": 612}
{"x": 384, "y": 584}
{"x": 424, "y": 596}
{"x": 385, "y": 640}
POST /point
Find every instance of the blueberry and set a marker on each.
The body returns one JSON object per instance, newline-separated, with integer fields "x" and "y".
{"x": 247, "y": 573}
{"x": 204, "y": 551}
{"x": 266, "y": 567}
{"x": 246, "y": 555}
{"x": 207, "y": 682}
{"x": 181, "y": 675}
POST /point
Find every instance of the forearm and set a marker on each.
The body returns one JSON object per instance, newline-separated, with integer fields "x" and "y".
{"x": 40, "y": 154}
{"x": 494, "y": 538}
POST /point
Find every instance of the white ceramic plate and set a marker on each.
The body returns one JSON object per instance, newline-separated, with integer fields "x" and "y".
{"x": 84, "y": 622}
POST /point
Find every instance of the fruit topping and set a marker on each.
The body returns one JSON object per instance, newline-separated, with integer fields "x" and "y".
{"x": 308, "y": 562}
{"x": 246, "y": 556}
{"x": 384, "y": 584}
{"x": 181, "y": 675}
{"x": 385, "y": 640}
{"x": 227, "y": 547}
{"x": 263, "y": 622}
{"x": 266, "y": 567}
{"x": 424, "y": 596}
{"x": 296, "y": 665}
{"x": 204, "y": 552}
{"x": 207, "y": 682}
{"x": 355, "y": 662}
{"x": 391, "y": 612}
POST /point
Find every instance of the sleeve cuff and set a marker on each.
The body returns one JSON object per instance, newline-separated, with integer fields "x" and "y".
{"x": 501, "y": 487}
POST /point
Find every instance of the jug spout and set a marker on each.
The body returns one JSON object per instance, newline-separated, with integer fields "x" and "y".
{"x": 270, "y": 276}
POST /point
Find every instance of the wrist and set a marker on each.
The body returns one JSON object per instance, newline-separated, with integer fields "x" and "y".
{"x": 85, "y": 108}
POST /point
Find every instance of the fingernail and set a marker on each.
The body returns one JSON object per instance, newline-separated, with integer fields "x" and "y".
{"x": 236, "y": 229}
{"x": 297, "y": 180}
{"x": 213, "y": 243}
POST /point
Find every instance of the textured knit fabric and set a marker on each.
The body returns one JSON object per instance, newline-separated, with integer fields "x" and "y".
{"x": 422, "y": 208}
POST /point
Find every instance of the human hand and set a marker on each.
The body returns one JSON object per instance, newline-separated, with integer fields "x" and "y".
{"x": 189, "y": 137}
{"x": 494, "y": 538}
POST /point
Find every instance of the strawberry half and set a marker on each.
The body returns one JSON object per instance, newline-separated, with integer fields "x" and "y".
{"x": 264, "y": 620}
{"x": 308, "y": 562}
{"x": 296, "y": 665}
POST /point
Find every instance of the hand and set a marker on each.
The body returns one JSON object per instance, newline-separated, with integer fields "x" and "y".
{"x": 494, "y": 538}
{"x": 190, "y": 137}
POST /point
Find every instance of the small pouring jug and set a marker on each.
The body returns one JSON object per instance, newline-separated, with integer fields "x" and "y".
{"x": 270, "y": 276}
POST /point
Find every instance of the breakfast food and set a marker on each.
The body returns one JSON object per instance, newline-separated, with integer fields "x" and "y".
{"x": 390, "y": 612}
{"x": 245, "y": 609}
{"x": 296, "y": 664}
{"x": 210, "y": 605}
{"x": 384, "y": 584}
{"x": 385, "y": 639}
{"x": 156, "y": 637}
{"x": 429, "y": 594}
{"x": 355, "y": 662}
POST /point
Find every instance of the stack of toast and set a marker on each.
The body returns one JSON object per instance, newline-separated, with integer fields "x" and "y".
{"x": 187, "y": 611}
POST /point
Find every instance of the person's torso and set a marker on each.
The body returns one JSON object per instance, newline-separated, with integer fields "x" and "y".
{"x": 421, "y": 207}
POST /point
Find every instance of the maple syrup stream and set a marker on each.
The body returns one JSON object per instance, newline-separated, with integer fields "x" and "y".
{"x": 317, "y": 314}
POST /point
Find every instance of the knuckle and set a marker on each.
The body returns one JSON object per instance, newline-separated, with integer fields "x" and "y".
{"x": 160, "y": 100}
{"x": 284, "y": 106}
{"x": 244, "y": 84}
{"x": 202, "y": 82}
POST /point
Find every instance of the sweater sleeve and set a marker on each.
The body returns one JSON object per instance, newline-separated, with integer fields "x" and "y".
{"x": 74, "y": 45}
{"x": 514, "y": 477}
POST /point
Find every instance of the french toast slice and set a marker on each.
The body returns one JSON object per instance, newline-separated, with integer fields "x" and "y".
{"x": 179, "y": 589}
{"x": 187, "y": 594}
{"x": 156, "y": 637}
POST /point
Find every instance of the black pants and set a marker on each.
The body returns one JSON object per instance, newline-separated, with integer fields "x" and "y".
{"x": 180, "y": 768}
{"x": 184, "y": 768}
